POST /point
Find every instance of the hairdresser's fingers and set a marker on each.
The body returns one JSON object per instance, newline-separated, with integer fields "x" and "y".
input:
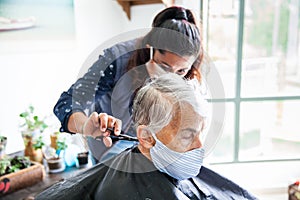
{"x": 117, "y": 125}
{"x": 94, "y": 118}
{"x": 103, "y": 117}
{"x": 107, "y": 141}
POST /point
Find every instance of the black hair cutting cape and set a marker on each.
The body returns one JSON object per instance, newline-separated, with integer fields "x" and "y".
{"x": 130, "y": 175}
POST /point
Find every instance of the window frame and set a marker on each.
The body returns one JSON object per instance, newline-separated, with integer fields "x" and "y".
{"x": 238, "y": 99}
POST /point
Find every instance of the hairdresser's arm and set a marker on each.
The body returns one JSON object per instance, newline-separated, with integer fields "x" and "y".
{"x": 85, "y": 94}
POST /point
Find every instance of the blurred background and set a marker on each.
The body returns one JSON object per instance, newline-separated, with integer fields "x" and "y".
{"x": 254, "y": 45}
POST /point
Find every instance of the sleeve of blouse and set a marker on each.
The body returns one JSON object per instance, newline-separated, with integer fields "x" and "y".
{"x": 82, "y": 94}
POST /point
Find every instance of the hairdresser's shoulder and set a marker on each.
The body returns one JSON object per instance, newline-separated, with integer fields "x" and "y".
{"x": 125, "y": 47}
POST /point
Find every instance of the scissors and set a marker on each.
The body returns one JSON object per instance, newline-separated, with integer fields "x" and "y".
{"x": 115, "y": 138}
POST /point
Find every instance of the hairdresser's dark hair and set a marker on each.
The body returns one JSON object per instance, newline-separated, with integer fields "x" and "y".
{"x": 174, "y": 12}
{"x": 175, "y": 30}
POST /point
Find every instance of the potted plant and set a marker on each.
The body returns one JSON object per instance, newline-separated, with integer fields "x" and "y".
{"x": 10, "y": 165}
{"x": 37, "y": 154}
{"x": 18, "y": 172}
{"x": 33, "y": 127}
{"x": 83, "y": 158}
{"x": 54, "y": 154}
{"x": 3, "y": 142}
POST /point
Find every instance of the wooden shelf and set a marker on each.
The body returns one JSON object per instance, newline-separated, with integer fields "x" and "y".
{"x": 126, "y": 4}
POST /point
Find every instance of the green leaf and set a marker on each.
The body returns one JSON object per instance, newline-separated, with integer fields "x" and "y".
{"x": 36, "y": 118}
{"x": 31, "y": 109}
{"x": 32, "y": 121}
{"x": 39, "y": 143}
{"x": 24, "y": 114}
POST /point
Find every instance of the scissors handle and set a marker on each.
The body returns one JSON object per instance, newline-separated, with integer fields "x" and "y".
{"x": 122, "y": 136}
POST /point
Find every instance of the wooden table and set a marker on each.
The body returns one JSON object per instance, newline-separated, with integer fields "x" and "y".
{"x": 50, "y": 179}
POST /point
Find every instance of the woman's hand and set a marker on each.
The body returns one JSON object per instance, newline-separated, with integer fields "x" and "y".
{"x": 97, "y": 124}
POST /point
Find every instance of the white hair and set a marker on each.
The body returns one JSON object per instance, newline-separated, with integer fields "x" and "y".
{"x": 155, "y": 103}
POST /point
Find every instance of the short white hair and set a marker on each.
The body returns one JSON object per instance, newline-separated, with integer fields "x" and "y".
{"x": 155, "y": 103}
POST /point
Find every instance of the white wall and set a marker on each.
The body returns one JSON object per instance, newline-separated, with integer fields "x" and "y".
{"x": 96, "y": 22}
{"x": 31, "y": 78}
{"x": 142, "y": 16}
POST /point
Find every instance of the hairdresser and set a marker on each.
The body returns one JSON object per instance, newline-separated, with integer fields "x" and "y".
{"x": 102, "y": 97}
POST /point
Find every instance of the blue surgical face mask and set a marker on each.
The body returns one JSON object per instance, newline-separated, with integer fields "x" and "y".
{"x": 178, "y": 165}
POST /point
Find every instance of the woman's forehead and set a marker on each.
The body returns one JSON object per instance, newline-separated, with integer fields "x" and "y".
{"x": 185, "y": 118}
{"x": 173, "y": 59}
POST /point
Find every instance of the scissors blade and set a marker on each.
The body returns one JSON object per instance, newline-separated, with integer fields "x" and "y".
{"x": 121, "y": 136}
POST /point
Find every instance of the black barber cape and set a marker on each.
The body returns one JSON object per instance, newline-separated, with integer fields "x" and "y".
{"x": 130, "y": 176}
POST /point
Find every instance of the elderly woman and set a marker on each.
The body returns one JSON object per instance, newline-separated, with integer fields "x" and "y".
{"x": 167, "y": 163}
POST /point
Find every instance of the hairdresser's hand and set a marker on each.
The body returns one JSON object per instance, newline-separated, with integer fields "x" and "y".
{"x": 96, "y": 126}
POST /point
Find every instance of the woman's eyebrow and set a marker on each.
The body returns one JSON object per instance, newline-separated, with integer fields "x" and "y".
{"x": 165, "y": 63}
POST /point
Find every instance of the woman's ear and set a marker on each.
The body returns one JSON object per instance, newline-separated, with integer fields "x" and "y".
{"x": 145, "y": 137}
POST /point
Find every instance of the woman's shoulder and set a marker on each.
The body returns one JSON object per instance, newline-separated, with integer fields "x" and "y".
{"x": 125, "y": 47}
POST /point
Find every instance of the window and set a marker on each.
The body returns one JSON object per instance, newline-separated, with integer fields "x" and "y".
{"x": 255, "y": 47}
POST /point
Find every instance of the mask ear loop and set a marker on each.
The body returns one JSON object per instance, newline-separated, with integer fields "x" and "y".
{"x": 151, "y": 52}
